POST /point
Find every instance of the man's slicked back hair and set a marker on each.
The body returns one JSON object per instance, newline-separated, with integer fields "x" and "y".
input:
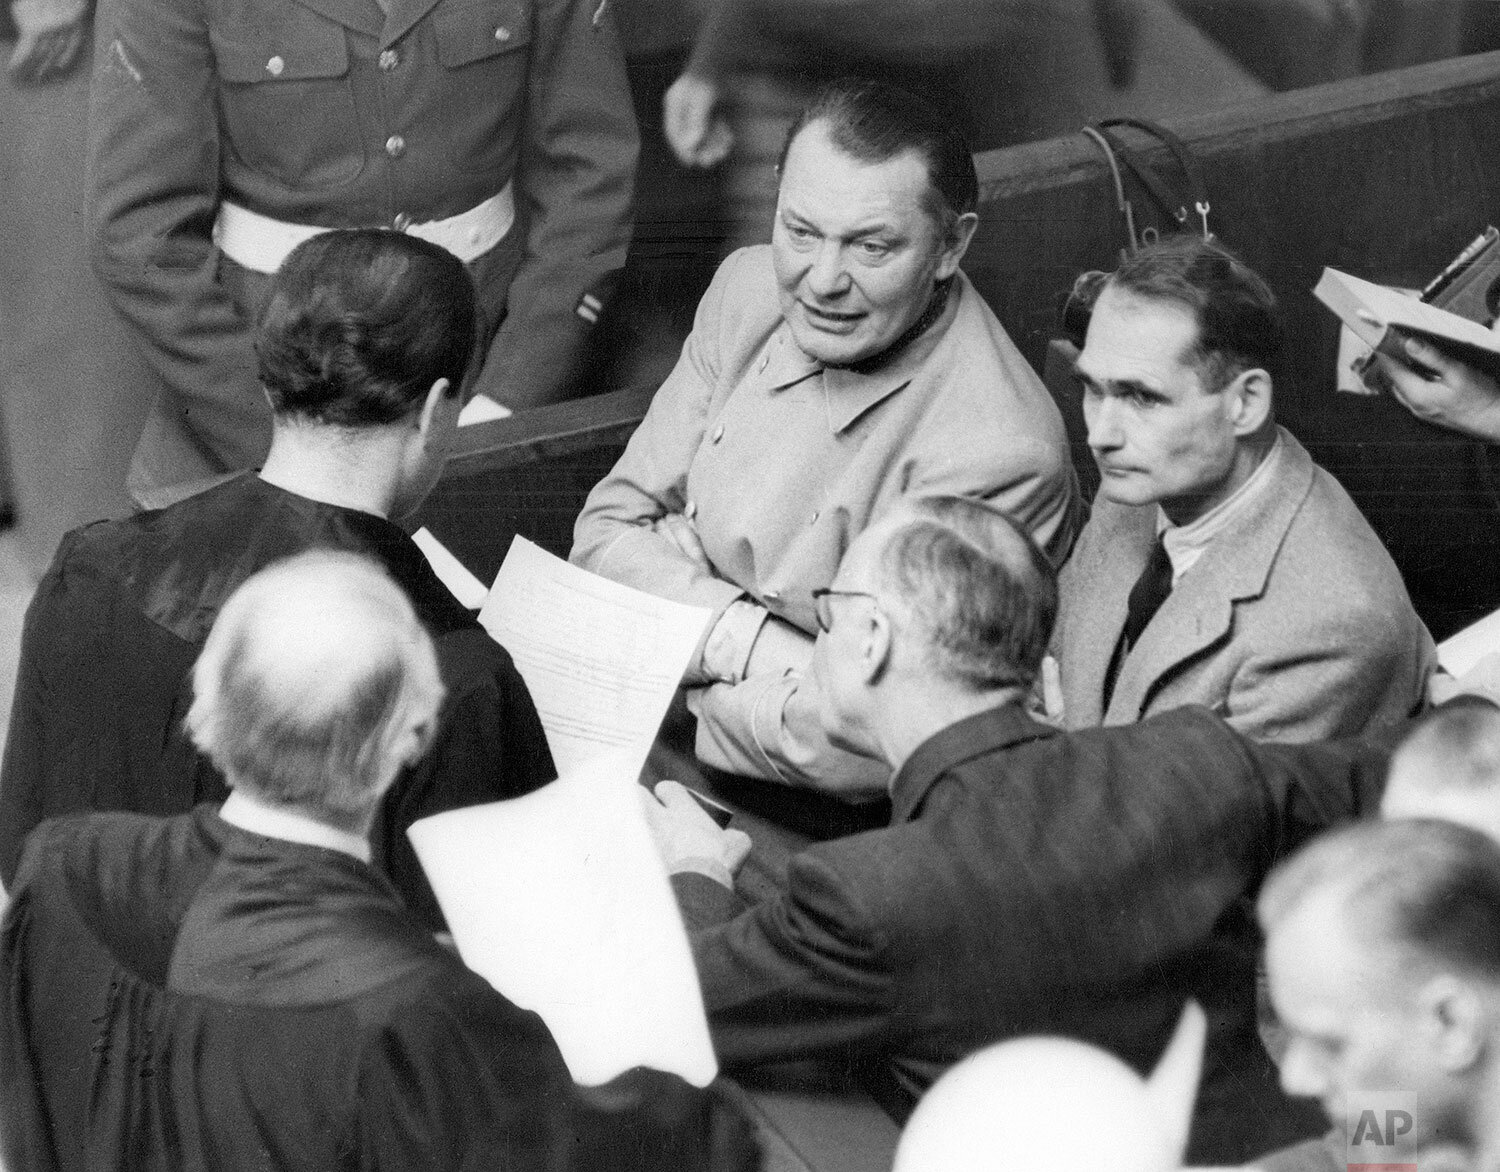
{"x": 1239, "y": 326}
{"x": 1429, "y": 886}
{"x": 977, "y": 584}
{"x": 360, "y": 324}
{"x": 873, "y": 122}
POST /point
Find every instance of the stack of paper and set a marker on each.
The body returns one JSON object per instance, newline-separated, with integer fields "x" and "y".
{"x": 559, "y": 899}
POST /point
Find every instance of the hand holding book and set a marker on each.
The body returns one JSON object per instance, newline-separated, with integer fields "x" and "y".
{"x": 1435, "y": 386}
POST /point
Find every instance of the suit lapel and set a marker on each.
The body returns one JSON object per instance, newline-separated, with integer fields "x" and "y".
{"x": 1200, "y": 610}
{"x": 361, "y": 15}
{"x": 1116, "y": 554}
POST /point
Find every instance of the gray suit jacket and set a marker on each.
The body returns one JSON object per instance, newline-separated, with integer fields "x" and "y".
{"x": 1294, "y": 624}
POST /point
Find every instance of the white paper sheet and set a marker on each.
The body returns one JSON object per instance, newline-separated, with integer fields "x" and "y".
{"x": 1458, "y": 653}
{"x": 451, "y": 572}
{"x": 560, "y": 900}
{"x": 601, "y": 660}
{"x": 480, "y": 409}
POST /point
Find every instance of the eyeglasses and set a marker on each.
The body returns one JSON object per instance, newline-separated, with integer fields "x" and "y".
{"x": 824, "y": 612}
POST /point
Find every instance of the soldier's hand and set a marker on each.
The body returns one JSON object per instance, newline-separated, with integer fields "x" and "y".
{"x": 693, "y": 122}
{"x": 49, "y": 41}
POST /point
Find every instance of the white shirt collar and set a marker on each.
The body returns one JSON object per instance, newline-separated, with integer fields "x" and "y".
{"x": 248, "y": 813}
{"x": 1185, "y": 544}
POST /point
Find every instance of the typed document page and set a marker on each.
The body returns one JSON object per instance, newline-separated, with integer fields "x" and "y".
{"x": 601, "y": 660}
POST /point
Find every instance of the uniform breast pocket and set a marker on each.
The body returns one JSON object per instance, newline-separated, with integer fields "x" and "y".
{"x": 286, "y": 106}
{"x": 483, "y": 47}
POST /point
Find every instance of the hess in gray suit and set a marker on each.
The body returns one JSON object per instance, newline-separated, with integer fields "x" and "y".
{"x": 1221, "y": 566}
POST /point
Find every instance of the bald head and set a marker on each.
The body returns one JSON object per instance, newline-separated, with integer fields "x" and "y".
{"x": 316, "y": 685}
{"x": 1427, "y": 889}
{"x": 1448, "y": 767}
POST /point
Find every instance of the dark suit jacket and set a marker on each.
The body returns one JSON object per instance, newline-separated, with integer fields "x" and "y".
{"x": 182, "y": 994}
{"x": 1032, "y": 881}
{"x": 120, "y": 617}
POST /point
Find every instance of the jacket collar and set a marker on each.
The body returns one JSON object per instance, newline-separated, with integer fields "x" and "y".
{"x": 848, "y": 394}
{"x": 998, "y": 728}
{"x": 1200, "y": 610}
{"x": 402, "y": 15}
{"x": 361, "y": 15}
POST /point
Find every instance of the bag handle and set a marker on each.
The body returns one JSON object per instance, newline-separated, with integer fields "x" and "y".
{"x": 1122, "y": 204}
{"x": 1173, "y": 206}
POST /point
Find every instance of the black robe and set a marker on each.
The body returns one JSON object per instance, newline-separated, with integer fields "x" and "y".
{"x": 184, "y": 994}
{"x": 118, "y": 620}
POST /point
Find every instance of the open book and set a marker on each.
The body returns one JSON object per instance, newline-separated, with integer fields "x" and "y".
{"x": 1377, "y": 315}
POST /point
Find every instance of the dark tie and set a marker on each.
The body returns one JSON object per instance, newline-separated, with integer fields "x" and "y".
{"x": 1146, "y": 596}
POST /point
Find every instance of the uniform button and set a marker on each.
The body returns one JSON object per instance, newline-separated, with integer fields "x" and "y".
{"x": 502, "y": 34}
{"x": 764, "y": 360}
{"x": 718, "y": 433}
{"x": 275, "y": 66}
{"x": 395, "y": 146}
{"x": 389, "y": 59}
{"x": 773, "y": 595}
{"x": 401, "y": 222}
{"x": 814, "y": 520}
{"x": 691, "y": 511}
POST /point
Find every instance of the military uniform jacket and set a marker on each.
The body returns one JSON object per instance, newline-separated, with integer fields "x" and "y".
{"x": 781, "y": 463}
{"x": 339, "y": 114}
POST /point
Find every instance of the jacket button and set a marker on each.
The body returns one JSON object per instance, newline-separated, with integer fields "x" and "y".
{"x": 502, "y": 34}
{"x": 773, "y": 595}
{"x": 718, "y": 433}
{"x": 691, "y": 511}
{"x": 275, "y": 66}
{"x": 401, "y": 222}
{"x": 814, "y": 517}
{"x": 389, "y": 59}
{"x": 395, "y": 146}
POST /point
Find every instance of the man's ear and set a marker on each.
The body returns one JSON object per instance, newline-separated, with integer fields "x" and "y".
{"x": 438, "y": 401}
{"x": 1455, "y": 1019}
{"x": 1251, "y": 407}
{"x": 875, "y": 646}
{"x": 956, "y": 244}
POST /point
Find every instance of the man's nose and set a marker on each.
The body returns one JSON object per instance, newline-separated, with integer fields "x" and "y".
{"x": 1103, "y": 424}
{"x": 827, "y": 277}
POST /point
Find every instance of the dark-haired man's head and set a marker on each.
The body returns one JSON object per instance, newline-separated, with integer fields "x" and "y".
{"x": 1383, "y": 953}
{"x": 1176, "y": 376}
{"x": 874, "y": 212}
{"x": 946, "y": 605}
{"x": 1448, "y": 767}
{"x": 366, "y": 339}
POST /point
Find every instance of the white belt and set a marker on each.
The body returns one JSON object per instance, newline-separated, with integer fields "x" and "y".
{"x": 260, "y": 243}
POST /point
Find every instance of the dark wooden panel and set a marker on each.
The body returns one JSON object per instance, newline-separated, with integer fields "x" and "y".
{"x": 1386, "y": 176}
